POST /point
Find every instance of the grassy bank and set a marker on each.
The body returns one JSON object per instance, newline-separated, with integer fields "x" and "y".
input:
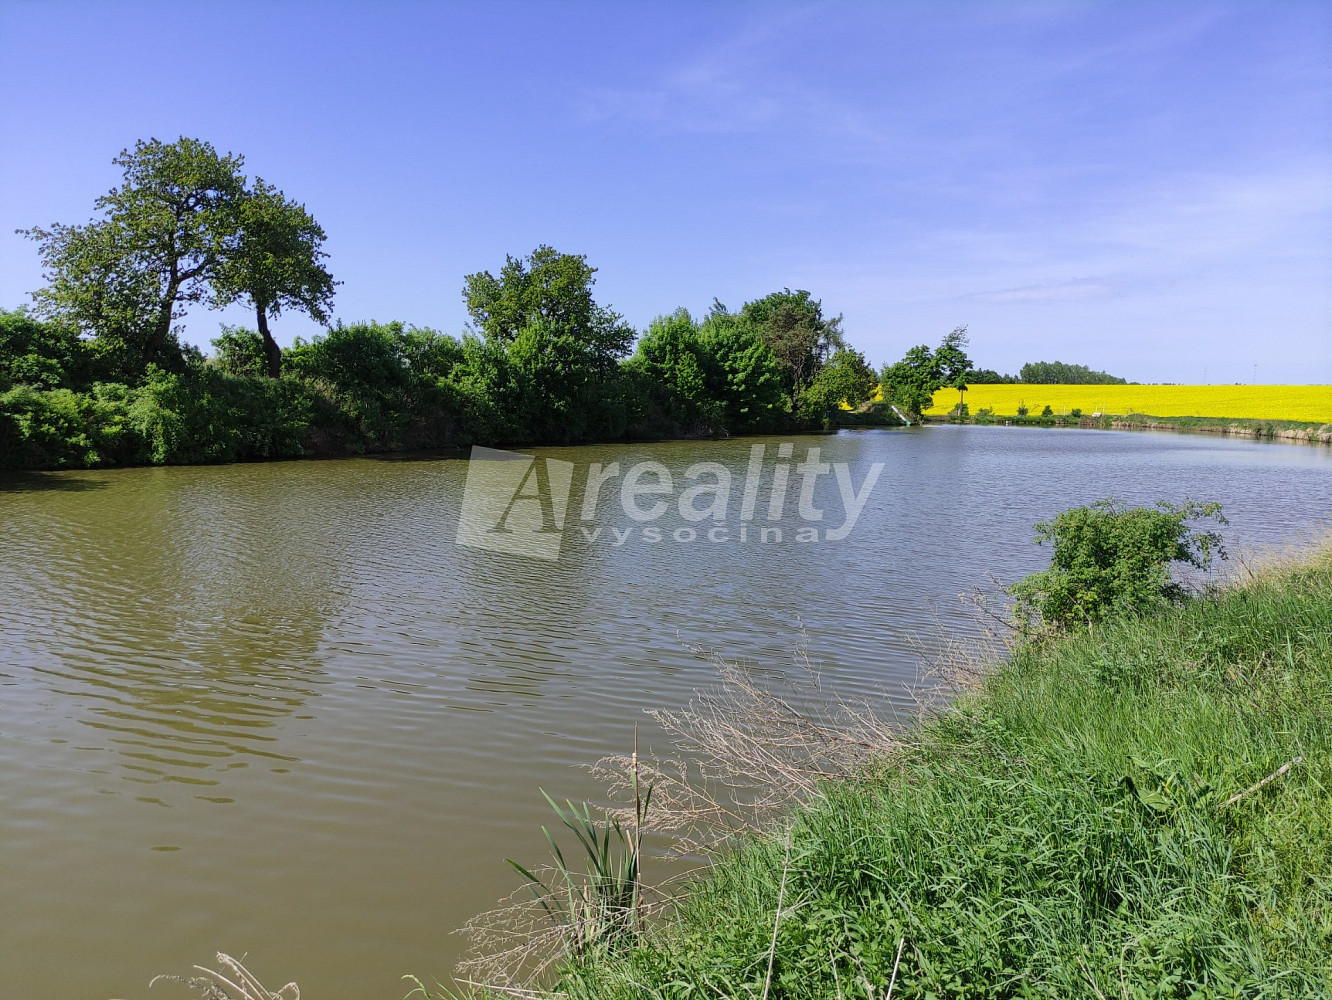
{"x": 1263, "y": 430}
{"x": 1114, "y": 814}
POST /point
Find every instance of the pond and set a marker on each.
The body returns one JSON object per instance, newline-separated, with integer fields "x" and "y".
{"x": 279, "y": 709}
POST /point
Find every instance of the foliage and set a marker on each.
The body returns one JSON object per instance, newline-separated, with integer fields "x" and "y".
{"x": 1047, "y": 411}
{"x": 276, "y": 262}
{"x": 128, "y": 275}
{"x": 41, "y": 354}
{"x": 360, "y": 372}
{"x": 181, "y": 228}
{"x": 1059, "y": 373}
{"x": 60, "y": 428}
{"x": 544, "y": 285}
{"x": 207, "y": 415}
{"x": 845, "y": 378}
{"x": 677, "y": 376}
{"x": 238, "y": 351}
{"x": 105, "y": 380}
{"x": 801, "y": 338}
{"x": 563, "y": 348}
{"x": 951, "y": 359}
{"x": 911, "y": 383}
{"x": 747, "y": 376}
{"x": 1110, "y": 559}
{"x": 988, "y": 376}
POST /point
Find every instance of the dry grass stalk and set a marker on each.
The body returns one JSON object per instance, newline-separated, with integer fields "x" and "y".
{"x": 1277, "y": 561}
{"x": 777, "y": 919}
{"x": 747, "y": 748}
{"x": 243, "y": 985}
{"x": 957, "y": 661}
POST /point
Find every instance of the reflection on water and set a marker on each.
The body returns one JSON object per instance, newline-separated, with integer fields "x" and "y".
{"x": 347, "y": 716}
{"x": 182, "y": 618}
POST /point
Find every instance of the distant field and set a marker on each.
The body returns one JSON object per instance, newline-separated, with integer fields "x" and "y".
{"x": 1311, "y": 403}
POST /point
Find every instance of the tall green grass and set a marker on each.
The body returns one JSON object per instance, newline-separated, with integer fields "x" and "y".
{"x": 1093, "y": 823}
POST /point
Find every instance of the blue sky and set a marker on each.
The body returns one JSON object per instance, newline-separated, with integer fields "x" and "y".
{"x": 1145, "y": 188}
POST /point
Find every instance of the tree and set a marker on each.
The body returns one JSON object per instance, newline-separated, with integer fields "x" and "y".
{"x": 747, "y": 377}
{"x": 912, "y": 382}
{"x": 952, "y": 362}
{"x": 793, "y": 326}
{"x": 563, "y": 348}
{"x": 988, "y": 376}
{"x": 676, "y": 370}
{"x": 1059, "y": 373}
{"x": 275, "y": 261}
{"x": 847, "y": 377}
{"x": 128, "y": 276}
{"x": 546, "y": 284}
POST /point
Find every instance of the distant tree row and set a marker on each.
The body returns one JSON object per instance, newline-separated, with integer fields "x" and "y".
{"x": 1045, "y": 373}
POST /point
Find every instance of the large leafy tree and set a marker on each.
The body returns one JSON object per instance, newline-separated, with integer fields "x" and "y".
{"x": 792, "y": 324}
{"x": 748, "y": 377}
{"x": 275, "y": 260}
{"x": 546, "y": 284}
{"x": 128, "y": 276}
{"x": 910, "y": 384}
{"x": 675, "y": 369}
{"x": 564, "y": 347}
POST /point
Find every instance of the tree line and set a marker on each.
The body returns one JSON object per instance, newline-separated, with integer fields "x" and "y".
{"x": 96, "y": 372}
{"x": 1046, "y": 373}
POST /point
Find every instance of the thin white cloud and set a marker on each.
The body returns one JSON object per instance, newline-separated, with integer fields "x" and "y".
{"x": 1059, "y": 291}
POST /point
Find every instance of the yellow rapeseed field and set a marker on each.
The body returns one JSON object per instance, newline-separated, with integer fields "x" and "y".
{"x": 1311, "y": 403}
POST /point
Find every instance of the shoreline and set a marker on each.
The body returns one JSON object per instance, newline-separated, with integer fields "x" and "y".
{"x": 1289, "y": 431}
{"x": 1285, "y": 431}
{"x": 1126, "y": 807}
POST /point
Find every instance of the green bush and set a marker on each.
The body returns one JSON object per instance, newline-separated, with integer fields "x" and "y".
{"x": 63, "y": 429}
{"x": 1022, "y": 408}
{"x": 1047, "y": 412}
{"x": 1110, "y": 559}
{"x": 210, "y": 416}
